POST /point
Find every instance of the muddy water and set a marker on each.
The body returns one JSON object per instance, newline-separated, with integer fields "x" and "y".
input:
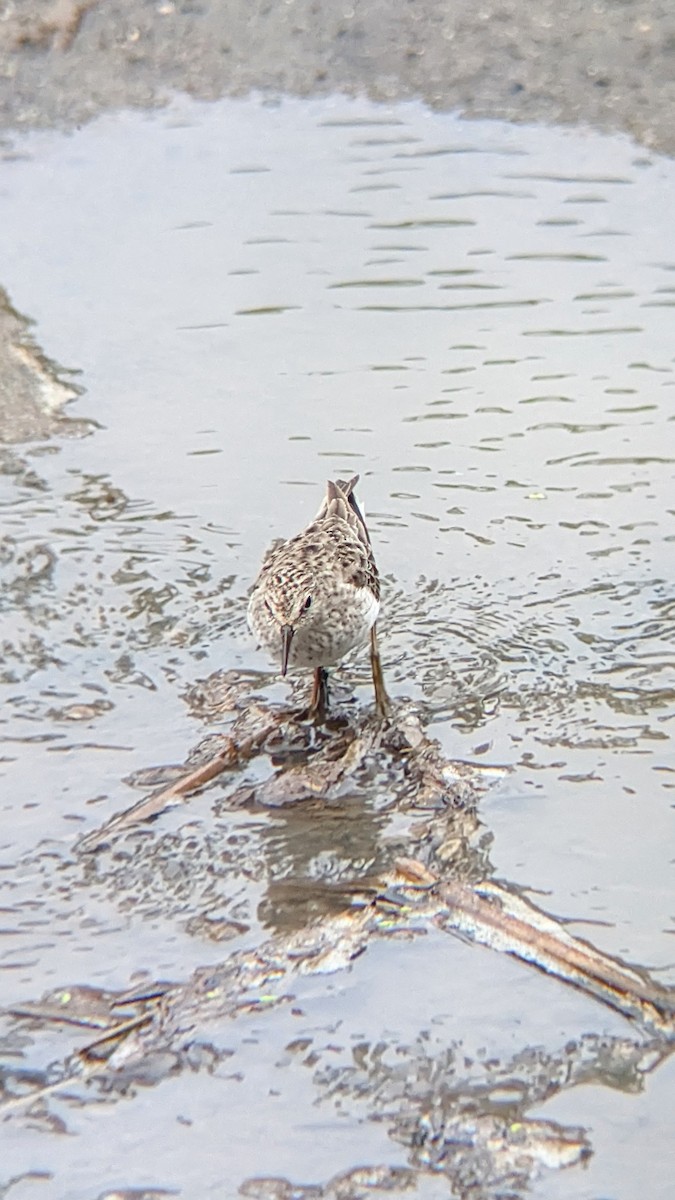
{"x": 477, "y": 319}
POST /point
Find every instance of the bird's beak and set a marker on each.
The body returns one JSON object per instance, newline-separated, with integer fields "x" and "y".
{"x": 287, "y": 632}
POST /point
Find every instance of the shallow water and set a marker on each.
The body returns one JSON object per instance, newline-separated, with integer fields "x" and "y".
{"x": 257, "y": 296}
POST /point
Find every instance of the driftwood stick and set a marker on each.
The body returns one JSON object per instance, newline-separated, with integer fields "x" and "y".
{"x": 505, "y": 921}
{"x": 117, "y": 1031}
{"x": 233, "y": 753}
{"x": 46, "y": 1012}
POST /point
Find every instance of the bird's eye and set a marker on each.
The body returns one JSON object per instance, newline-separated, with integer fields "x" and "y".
{"x": 308, "y": 602}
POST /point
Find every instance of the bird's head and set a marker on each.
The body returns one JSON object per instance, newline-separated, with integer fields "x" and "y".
{"x": 289, "y": 603}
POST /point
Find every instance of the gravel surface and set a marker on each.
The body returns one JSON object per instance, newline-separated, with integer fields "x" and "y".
{"x": 611, "y": 64}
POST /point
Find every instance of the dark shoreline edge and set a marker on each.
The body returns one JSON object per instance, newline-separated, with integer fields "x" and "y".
{"x": 609, "y": 64}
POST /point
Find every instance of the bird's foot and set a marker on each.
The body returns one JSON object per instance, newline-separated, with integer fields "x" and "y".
{"x": 318, "y": 701}
{"x": 317, "y": 709}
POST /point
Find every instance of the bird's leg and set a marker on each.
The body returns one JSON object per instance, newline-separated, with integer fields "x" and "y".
{"x": 381, "y": 697}
{"x": 318, "y": 703}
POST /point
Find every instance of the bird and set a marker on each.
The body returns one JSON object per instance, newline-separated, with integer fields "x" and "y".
{"x": 317, "y": 595}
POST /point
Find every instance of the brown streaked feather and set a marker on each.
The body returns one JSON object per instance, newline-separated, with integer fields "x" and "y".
{"x": 348, "y": 491}
{"x": 341, "y": 503}
{"x": 327, "y": 572}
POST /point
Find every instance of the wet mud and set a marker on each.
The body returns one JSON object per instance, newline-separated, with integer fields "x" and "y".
{"x": 610, "y": 65}
{"x": 34, "y": 392}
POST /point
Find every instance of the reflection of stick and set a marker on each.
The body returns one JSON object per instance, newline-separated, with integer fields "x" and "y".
{"x": 18, "y": 1102}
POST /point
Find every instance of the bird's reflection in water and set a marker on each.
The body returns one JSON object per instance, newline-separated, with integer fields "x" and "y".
{"x": 321, "y": 859}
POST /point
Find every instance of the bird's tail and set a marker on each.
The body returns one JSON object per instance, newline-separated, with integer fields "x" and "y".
{"x": 341, "y": 502}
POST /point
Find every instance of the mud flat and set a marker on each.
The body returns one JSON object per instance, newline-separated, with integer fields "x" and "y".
{"x": 610, "y": 65}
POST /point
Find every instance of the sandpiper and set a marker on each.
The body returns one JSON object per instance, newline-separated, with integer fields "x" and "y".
{"x": 318, "y": 595}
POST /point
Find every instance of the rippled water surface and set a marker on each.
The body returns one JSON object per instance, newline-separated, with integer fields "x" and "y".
{"x": 479, "y": 320}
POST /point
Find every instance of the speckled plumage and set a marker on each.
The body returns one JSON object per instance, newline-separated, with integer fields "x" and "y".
{"x": 318, "y": 594}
